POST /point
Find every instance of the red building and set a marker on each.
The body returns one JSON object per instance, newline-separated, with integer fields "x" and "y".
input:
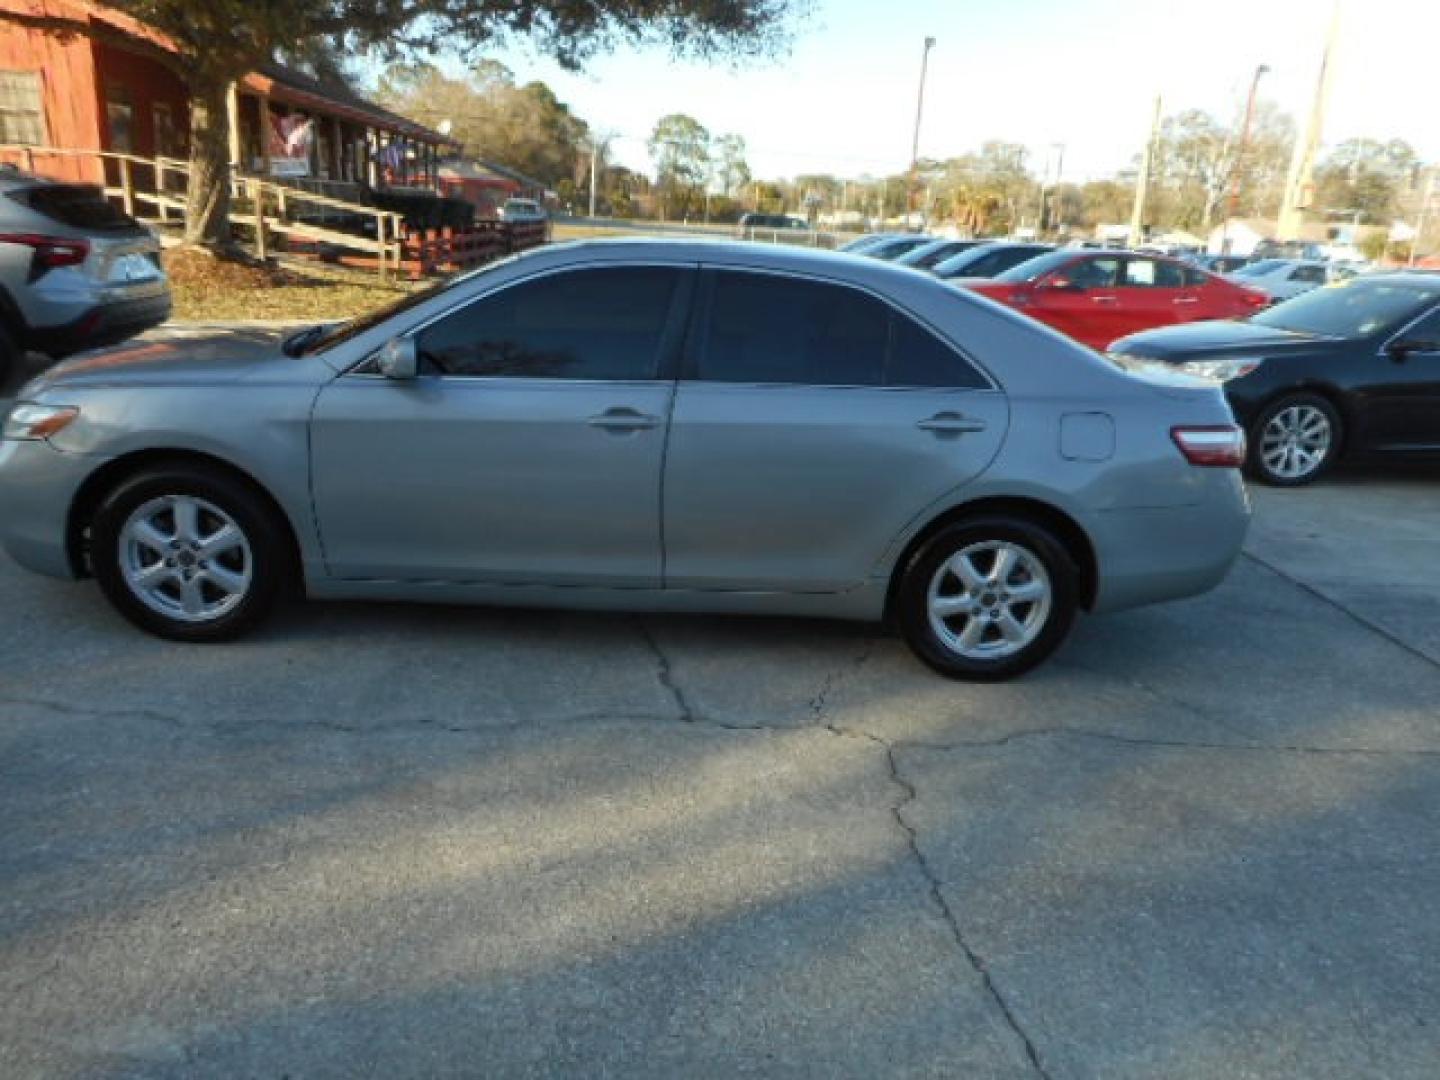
{"x": 76, "y": 93}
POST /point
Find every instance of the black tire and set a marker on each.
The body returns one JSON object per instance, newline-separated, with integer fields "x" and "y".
{"x": 268, "y": 560}
{"x": 1256, "y": 464}
{"x": 1051, "y": 620}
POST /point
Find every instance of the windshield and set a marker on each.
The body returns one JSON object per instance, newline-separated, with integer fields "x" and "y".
{"x": 1257, "y": 269}
{"x": 1037, "y": 267}
{"x": 1355, "y": 308}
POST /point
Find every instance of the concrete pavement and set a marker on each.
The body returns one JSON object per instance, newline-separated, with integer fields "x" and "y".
{"x": 405, "y": 841}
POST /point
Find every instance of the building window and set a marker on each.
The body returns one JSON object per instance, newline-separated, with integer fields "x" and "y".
{"x": 22, "y": 113}
{"x": 167, "y": 138}
{"x": 121, "y": 117}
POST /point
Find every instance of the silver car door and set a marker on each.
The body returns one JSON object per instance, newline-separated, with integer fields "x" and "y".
{"x": 811, "y": 424}
{"x": 529, "y": 448}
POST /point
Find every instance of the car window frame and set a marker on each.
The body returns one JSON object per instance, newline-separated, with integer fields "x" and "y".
{"x": 673, "y": 335}
{"x": 702, "y": 306}
{"x": 1399, "y": 335}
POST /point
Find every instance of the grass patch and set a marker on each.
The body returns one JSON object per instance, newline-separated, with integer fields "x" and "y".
{"x": 207, "y": 289}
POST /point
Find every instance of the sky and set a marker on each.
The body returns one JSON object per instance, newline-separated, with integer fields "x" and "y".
{"x": 1082, "y": 73}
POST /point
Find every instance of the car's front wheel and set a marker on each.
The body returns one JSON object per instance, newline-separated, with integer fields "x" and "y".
{"x": 987, "y": 599}
{"x": 1294, "y": 440}
{"x": 188, "y": 553}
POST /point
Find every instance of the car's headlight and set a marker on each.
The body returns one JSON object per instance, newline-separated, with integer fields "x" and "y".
{"x": 27, "y": 420}
{"x": 1219, "y": 370}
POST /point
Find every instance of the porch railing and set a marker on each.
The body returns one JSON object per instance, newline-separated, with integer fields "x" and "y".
{"x": 266, "y": 206}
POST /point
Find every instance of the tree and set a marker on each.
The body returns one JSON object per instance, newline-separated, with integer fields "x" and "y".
{"x": 211, "y": 44}
{"x": 1366, "y": 175}
{"x": 680, "y": 148}
{"x": 731, "y": 170}
{"x": 525, "y": 128}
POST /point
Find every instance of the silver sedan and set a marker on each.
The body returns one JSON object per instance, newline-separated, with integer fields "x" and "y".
{"x": 639, "y": 425}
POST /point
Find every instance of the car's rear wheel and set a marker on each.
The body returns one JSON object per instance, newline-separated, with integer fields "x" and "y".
{"x": 11, "y": 360}
{"x": 188, "y": 553}
{"x": 987, "y": 599}
{"x": 1294, "y": 440}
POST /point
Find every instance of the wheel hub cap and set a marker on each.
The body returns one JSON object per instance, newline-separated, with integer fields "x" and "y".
{"x": 989, "y": 600}
{"x": 185, "y": 558}
{"x": 1295, "y": 441}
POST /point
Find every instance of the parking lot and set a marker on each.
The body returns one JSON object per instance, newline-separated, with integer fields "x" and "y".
{"x": 401, "y": 840}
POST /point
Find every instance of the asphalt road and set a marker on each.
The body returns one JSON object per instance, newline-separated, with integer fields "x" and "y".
{"x": 412, "y": 841}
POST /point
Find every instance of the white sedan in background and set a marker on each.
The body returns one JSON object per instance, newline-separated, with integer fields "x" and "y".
{"x": 1280, "y": 279}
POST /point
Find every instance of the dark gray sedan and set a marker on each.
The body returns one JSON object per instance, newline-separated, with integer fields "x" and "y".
{"x": 639, "y": 425}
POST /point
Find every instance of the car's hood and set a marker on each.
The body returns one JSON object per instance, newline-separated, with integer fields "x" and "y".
{"x": 207, "y": 357}
{"x": 1219, "y": 337}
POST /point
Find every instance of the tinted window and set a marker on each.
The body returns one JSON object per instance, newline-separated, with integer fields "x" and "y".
{"x": 1261, "y": 268}
{"x": 585, "y": 324}
{"x": 1097, "y": 273}
{"x": 1355, "y": 309}
{"x": 993, "y": 263}
{"x": 1314, "y": 275}
{"x": 1427, "y": 329}
{"x": 919, "y": 358}
{"x": 770, "y": 329}
{"x": 81, "y": 206}
{"x": 1193, "y": 277}
{"x": 1038, "y": 265}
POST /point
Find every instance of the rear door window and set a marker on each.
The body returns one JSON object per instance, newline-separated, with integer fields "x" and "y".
{"x": 768, "y": 328}
{"x": 80, "y": 206}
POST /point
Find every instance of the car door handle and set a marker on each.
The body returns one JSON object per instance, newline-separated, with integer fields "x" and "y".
{"x": 1103, "y": 299}
{"x": 951, "y": 423}
{"x": 1187, "y": 300}
{"x": 623, "y": 419}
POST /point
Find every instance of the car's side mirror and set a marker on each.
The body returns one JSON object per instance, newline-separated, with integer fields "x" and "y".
{"x": 1401, "y": 350}
{"x": 1062, "y": 284}
{"x": 399, "y": 358}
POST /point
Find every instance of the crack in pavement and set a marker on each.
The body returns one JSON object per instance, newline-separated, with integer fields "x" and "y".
{"x": 666, "y": 675}
{"x": 937, "y": 895}
{"x": 1329, "y": 601}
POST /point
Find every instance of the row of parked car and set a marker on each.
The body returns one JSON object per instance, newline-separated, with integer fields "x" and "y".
{"x": 1317, "y": 363}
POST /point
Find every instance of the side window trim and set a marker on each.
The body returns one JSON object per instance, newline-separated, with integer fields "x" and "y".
{"x": 697, "y": 333}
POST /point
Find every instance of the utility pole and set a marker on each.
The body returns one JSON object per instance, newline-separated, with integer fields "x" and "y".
{"x": 1238, "y": 165}
{"x": 1424, "y": 213}
{"x": 915, "y": 142}
{"x": 1299, "y": 183}
{"x": 1142, "y": 182}
{"x": 594, "y": 154}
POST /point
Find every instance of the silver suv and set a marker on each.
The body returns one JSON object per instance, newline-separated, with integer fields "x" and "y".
{"x": 75, "y": 272}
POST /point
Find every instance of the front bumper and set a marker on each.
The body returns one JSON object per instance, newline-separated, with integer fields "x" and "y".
{"x": 38, "y": 485}
{"x": 1154, "y": 554}
{"x": 104, "y": 324}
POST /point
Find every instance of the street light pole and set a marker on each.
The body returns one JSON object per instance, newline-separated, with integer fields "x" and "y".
{"x": 915, "y": 142}
{"x": 1234, "y": 200}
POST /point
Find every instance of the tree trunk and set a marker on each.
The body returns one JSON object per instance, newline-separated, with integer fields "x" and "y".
{"x": 207, "y": 199}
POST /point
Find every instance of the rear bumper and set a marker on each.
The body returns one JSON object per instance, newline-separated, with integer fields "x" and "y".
{"x": 104, "y": 324}
{"x": 1150, "y": 555}
{"x": 38, "y": 485}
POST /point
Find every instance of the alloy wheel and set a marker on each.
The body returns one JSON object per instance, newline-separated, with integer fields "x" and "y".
{"x": 989, "y": 600}
{"x": 186, "y": 558}
{"x": 1296, "y": 441}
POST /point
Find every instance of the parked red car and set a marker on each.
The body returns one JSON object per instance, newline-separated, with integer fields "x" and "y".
{"x": 1099, "y": 296}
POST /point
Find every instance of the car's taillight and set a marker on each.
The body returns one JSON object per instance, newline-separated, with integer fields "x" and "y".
{"x": 1217, "y": 446}
{"x": 49, "y": 251}
{"x": 1254, "y": 298}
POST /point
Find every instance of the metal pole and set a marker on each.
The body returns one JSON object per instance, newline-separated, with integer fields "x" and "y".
{"x": 1143, "y": 181}
{"x": 919, "y": 111}
{"x": 594, "y": 153}
{"x": 1424, "y": 213}
{"x": 1239, "y": 163}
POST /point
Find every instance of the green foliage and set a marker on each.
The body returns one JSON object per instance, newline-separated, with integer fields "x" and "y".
{"x": 1373, "y": 245}
{"x": 525, "y": 128}
{"x": 680, "y": 148}
{"x": 1366, "y": 175}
